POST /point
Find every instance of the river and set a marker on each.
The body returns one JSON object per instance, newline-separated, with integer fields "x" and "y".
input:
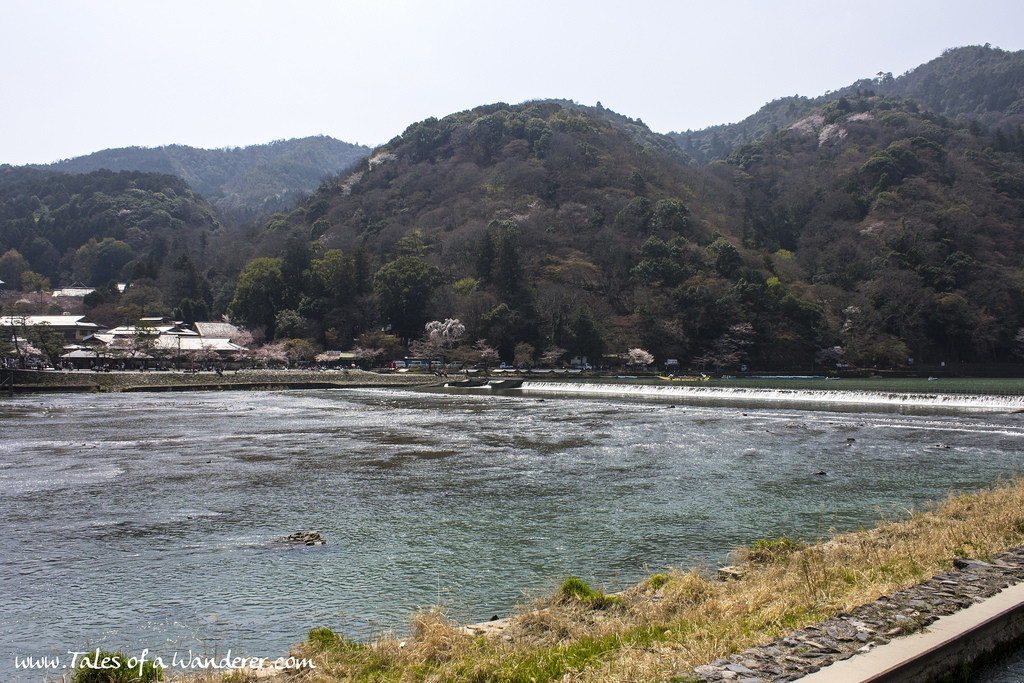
{"x": 147, "y": 521}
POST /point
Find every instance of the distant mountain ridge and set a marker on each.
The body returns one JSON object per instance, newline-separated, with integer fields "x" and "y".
{"x": 973, "y": 83}
{"x": 968, "y": 83}
{"x": 247, "y": 182}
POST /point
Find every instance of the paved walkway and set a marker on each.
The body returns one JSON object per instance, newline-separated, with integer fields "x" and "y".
{"x": 978, "y": 604}
{"x": 938, "y": 649}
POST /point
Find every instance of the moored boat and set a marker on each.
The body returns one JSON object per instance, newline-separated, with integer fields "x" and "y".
{"x": 466, "y": 383}
{"x": 506, "y": 383}
{"x": 702, "y": 378}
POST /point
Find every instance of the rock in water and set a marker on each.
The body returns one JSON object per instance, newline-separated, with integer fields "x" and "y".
{"x": 303, "y": 538}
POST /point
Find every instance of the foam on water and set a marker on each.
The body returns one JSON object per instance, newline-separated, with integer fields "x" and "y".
{"x": 819, "y": 400}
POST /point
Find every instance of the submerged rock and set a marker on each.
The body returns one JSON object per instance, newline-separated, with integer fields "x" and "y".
{"x": 302, "y": 538}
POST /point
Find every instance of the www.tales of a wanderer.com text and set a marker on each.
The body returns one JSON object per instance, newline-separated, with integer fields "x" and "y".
{"x": 176, "y": 661}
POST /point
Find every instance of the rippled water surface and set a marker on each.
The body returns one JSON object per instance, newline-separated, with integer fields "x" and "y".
{"x": 145, "y": 520}
{"x": 1008, "y": 669}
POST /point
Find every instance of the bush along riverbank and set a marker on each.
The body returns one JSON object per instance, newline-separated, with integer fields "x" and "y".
{"x": 790, "y": 609}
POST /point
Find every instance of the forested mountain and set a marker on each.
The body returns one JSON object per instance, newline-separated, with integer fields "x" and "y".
{"x": 903, "y": 228}
{"x": 978, "y": 83}
{"x": 636, "y": 129}
{"x": 864, "y": 229}
{"x": 146, "y": 228}
{"x": 867, "y": 233}
{"x": 520, "y": 220}
{"x": 249, "y": 182}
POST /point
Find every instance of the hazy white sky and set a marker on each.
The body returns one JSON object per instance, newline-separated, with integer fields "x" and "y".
{"x": 78, "y": 76}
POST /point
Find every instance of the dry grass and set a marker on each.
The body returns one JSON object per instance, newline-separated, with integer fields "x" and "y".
{"x": 677, "y": 620}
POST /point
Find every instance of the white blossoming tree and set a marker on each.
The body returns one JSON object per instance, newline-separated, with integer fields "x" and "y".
{"x": 438, "y": 337}
{"x": 639, "y": 357}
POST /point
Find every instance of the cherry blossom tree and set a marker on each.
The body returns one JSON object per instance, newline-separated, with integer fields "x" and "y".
{"x": 638, "y": 356}
{"x": 438, "y": 337}
{"x": 271, "y": 354}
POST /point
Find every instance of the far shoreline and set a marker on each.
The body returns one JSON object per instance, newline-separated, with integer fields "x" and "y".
{"x": 88, "y": 381}
{"x": 256, "y": 379}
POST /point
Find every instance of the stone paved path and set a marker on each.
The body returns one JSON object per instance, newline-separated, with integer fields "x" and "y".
{"x": 868, "y": 626}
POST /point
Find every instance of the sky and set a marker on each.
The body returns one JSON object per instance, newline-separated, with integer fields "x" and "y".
{"x": 79, "y": 76}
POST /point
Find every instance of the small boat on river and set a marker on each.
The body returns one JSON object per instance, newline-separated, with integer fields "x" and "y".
{"x": 506, "y": 383}
{"x": 483, "y": 382}
{"x": 466, "y": 383}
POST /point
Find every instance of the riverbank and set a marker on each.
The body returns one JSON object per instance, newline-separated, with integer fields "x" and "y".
{"x": 791, "y": 610}
{"x": 31, "y": 381}
{"x": 50, "y": 381}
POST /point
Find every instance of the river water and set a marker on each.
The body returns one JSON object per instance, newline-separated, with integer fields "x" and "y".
{"x": 134, "y": 521}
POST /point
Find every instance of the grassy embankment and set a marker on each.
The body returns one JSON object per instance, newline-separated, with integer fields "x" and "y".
{"x": 677, "y": 620}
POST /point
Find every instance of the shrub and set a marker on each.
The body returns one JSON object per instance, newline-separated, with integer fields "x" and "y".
{"x": 657, "y": 580}
{"x": 771, "y": 550}
{"x": 576, "y": 590}
{"x": 324, "y": 638}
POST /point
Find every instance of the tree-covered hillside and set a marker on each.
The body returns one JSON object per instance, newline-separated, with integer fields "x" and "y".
{"x": 522, "y": 221}
{"x": 249, "y": 182}
{"x": 145, "y": 228}
{"x": 904, "y": 229}
{"x": 978, "y": 83}
{"x": 868, "y": 233}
